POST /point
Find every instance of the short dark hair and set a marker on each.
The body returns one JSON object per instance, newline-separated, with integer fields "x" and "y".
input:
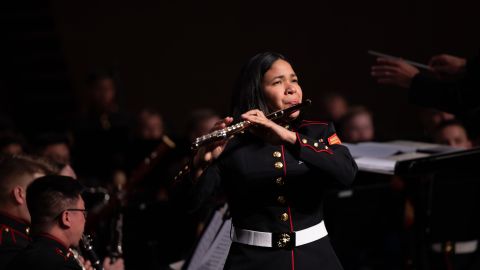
{"x": 11, "y": 137}
{"x": 349, "y": 115}
{"x": 12, "y": 168}
{"x": 198, "y": 116}
{"x": 248, "y": 93}
{"x": 48, "y": 196}
{"x": 448, "y": 123}
{"x": 49, "y": 138}
{"x": 98, "y": 74}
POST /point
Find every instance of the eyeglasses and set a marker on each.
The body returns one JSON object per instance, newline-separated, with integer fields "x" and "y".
{"x": 84, "y": 211}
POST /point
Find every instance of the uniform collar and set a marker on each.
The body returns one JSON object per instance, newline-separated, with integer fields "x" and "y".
{"x": 9, "y": 221}
{"x": 52, "y": 241}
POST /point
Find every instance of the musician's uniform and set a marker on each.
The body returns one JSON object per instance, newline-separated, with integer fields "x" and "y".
{"x": 13, "y": 238}
{"x": 45, "y": 253}
{"x": 279, "y": 189}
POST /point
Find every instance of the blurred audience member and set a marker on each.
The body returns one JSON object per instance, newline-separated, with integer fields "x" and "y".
{"x": 53, "y": 146}
{"x": 11, "y": 143}
{"x": 357, "y": 125}
{"x": 102, "y": 132}
{"x": 452, "y": 133}
{"x": 151, "y": 126}
{"x": 431, "y": 118}
{"x": 334, "y": 106}
{"x": 201, "y": 122}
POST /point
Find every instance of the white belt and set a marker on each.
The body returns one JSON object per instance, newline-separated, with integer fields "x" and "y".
{"x": 280, "y": 240}
{"x": 462, "y": 247}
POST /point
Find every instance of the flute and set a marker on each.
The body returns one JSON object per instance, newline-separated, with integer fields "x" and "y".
{"x": 241, "y": 126}
{"x": 225, "y": 133}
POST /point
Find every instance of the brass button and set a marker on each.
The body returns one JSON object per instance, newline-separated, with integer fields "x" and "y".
{"x": 27, "y": 230}
{"x": 326, "y": 147}
{"x": 281, "y": 199}
{"x": 315, "y": 144}
{"x": 283, "y": 240}
{"x": 279, "y": 181}
{"x": 277, "y": 154}
{"x": 7, "y": 229}
{"x": 304, "y": 140}
{"x": 284, "y": 217}
{"x": 321, "y": 140}
{"x": 278, "y": 165}
{"x": 448, "y": 247}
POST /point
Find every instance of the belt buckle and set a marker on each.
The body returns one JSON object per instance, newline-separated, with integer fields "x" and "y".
{"x": 284, "y": 240}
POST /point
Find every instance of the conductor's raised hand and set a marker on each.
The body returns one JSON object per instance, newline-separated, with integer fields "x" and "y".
{"x": 447, "y": 66}
{"x": 393, "y": 72}
{"x": 268, "y": 130}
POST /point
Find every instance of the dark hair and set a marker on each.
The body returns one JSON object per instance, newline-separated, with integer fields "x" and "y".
{"x": 46, "y": 139}
{"x": 248, "y": 93}
{"x": 99, "y": 74}
{"x": 198, "y": 116}
{"x": 349, "y": 115}
{"x": 448, "y": 123}
{"x": 49, "y": 195}
{"x": 12, "y": 168}
{"x": 11, "y": 137}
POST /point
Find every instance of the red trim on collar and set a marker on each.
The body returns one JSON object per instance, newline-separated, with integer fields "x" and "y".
{"x": 13, "y": 232}
{"x": 60, "y": 252}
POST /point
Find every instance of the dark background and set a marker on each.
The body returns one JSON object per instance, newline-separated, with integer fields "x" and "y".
{"x": 182, "y": 55}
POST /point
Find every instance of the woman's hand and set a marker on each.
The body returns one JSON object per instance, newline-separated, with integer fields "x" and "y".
{"x": 267, "y": 129}
{"x": 208, "y": 153}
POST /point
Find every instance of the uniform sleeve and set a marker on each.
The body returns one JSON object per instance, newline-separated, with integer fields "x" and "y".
{"x": 205, "y": 187}
{"x": 192, "y": 194}
{"x": 323, "y": 150}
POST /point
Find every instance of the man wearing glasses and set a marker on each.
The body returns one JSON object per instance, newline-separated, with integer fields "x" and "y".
{"x": 58, "y": 217}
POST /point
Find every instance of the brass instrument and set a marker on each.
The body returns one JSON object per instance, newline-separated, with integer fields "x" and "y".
{"x": 231, "y": 130}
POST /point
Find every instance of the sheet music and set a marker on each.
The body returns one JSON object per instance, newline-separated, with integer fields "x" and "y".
{"x": 377, "y": 150}
{"x": 377, "y": 165}
{"x": 215, "y": 257}
{"x": 212, "y": 249}
{"x": 382, "y": 157}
